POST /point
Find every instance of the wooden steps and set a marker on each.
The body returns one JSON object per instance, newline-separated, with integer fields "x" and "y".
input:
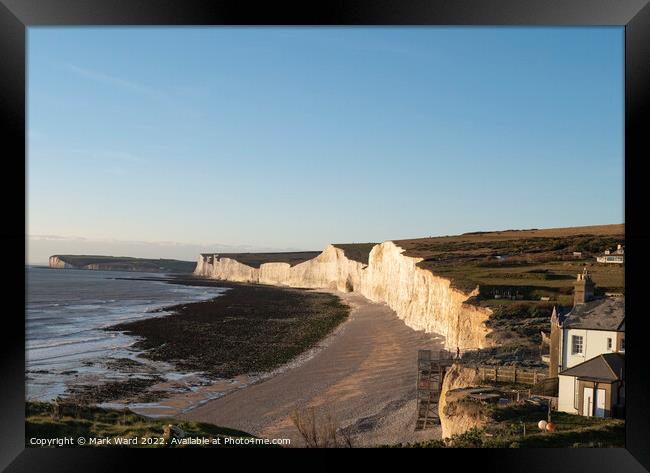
{"x": 429, "y": 383}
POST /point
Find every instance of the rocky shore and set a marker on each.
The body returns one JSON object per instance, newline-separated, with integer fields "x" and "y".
{"x": 250, "y": 328}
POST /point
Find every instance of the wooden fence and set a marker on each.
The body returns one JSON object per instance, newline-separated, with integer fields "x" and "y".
{"x": 502, "y": 374}
{"x": 495, "y": 374}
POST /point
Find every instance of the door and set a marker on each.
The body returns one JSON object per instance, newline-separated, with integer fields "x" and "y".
{"x": 589, "y": 398}
{"x": 588, "y": 402}
{"x": 600, "y": 403}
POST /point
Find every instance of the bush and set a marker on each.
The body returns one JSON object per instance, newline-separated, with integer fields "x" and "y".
{"x": 320, "y": 430}
{"x": 522, "y": 310}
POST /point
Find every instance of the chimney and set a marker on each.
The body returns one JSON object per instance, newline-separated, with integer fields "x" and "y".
{"x": 554, "y": 345}
{"x": 583, "y": 288}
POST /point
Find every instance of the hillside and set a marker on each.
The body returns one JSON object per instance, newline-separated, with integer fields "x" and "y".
{"x": 542, "y": 258}
{"x": 359, "y": 252}
{"x": 120, "y": 263}
{"x": 515, "y": 269}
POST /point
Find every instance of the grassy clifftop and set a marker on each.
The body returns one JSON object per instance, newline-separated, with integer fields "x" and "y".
{"x": 539, "y": 258}
{"x": 126, "y": 263}
{"x": 522, "y": 274}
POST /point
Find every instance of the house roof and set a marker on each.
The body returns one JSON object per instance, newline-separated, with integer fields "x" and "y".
{"x": 604, "y": 367}
{"x": 602, "y": 314}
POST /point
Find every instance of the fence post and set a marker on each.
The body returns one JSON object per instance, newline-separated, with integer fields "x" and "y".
{"x": 496, "y": 374}
{"x": 535, "y": 377}
{"x": 515, "y": 376}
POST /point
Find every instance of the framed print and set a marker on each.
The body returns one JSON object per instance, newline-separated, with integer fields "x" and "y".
{"x": 366, "y": 225}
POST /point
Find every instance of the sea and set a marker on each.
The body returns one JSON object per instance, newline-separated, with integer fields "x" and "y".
{"x": 66, "y": 313}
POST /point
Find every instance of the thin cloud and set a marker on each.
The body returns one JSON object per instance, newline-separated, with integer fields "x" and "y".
{"x": 223, "y": 247}
{"x": 108, "y": 155}
{"x": 115, "y": 81}
{"x": 55, "y": 238}
{"x": 136, "y": 87}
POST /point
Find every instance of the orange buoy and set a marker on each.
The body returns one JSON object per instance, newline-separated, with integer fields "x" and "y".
{"x": 550, "y": 427}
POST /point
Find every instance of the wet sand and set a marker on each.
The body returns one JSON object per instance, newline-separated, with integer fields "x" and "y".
{"x": 365, "y": 378}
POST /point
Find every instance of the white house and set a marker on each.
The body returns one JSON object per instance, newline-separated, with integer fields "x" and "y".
{"x": 617, "y": 256}
{"x": 587, "y": 352}
{"x": 591, "y": 329}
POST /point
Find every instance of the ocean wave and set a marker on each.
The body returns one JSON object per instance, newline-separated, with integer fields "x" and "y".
{"x": 61, "y": 343}
{"x": 34, "y": 360}
{"x": 68, "y": 312}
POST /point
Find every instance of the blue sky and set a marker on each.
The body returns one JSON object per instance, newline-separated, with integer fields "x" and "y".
{"x": 291, "y": 138}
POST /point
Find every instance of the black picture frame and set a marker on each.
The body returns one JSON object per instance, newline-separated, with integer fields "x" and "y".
{"x": 634, "y": 15}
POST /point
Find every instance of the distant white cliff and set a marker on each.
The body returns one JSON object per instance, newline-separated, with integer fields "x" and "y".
{"x": 57, "y": 262}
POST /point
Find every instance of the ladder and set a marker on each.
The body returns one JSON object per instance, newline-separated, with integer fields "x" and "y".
{"x": 429, "y": 383}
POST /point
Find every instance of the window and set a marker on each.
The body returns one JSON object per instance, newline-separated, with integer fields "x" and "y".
{"x": 622, "y": 344}
{"x": 609, "y": 344}
{"x": 576, "y": 345}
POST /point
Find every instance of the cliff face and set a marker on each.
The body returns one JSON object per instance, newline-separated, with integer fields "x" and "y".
{"x": 456, "y": 417}
{"x": 424, "y": 301}
{"x": 56, "y": 262}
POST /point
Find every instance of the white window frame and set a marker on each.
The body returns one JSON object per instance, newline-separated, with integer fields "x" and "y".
{"x": 574, "y": 339}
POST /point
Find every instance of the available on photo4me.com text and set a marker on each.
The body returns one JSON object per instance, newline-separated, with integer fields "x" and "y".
{"x": 132, "y": 441}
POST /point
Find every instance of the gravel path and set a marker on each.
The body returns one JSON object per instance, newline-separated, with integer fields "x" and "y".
{"x": 365, "y": 379}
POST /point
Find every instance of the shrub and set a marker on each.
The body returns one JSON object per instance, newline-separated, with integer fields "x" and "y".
{"x": 320, "y": 430}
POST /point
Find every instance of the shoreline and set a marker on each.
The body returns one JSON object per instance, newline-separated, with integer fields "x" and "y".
{"x": 364, "y": 382}
{"x": 181, "y": 403}
{"x": 68, "y": 352}
{"x": 307, "y": 319}
{"x": 247, "y": 329}
{"x": 362, "y": 371}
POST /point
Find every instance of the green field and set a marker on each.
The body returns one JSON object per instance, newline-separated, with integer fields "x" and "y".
{"x": 535, "y": 263}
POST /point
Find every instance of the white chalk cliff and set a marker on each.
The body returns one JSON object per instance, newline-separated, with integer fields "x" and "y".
{"x": 56, "y": 262}
{"x": 423, "y": 300}
{"x": 455, "y": 417}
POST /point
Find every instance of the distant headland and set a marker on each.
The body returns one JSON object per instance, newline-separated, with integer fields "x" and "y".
{"x": 120, "y": 263}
